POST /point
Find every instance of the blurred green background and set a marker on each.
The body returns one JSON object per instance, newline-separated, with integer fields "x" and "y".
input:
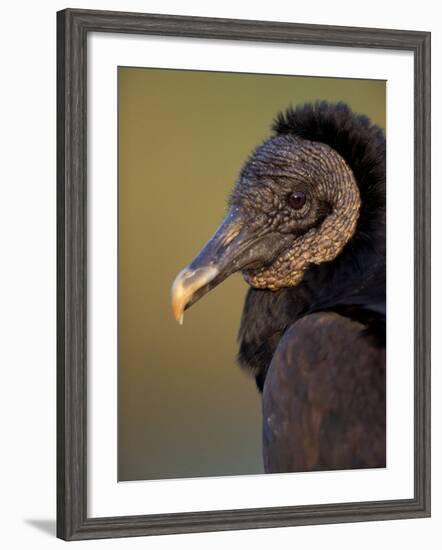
{"x": 185, "y": 409}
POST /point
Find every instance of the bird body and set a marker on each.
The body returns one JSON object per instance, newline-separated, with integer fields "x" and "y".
{"x": 306, "y": 227}
{"x": 324, "y": 405}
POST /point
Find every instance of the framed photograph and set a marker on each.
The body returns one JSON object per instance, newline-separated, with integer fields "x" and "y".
{"x": 243, "y": 274}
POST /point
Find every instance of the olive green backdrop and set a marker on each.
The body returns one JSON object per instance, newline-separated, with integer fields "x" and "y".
{"x": 185, "y": 408}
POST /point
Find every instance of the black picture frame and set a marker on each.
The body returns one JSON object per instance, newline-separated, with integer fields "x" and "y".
{"x": 73, "y": 27}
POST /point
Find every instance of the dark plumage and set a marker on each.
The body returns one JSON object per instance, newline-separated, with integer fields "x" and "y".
{"x": 324, "y": 409}
{"x": 306, "y": 226}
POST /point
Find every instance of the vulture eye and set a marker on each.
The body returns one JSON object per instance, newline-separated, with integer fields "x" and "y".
{"x": 296, "y": 200}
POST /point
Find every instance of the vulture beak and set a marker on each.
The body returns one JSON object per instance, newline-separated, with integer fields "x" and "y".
{"x": 216, "y": 261}
{"x": 234, "y": 247}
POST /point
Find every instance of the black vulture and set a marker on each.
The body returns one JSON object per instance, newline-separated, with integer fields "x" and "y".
{"x": 306, "y": 228}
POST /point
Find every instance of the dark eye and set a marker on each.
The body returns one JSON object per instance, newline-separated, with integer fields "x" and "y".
{"x": 296, "y": 199}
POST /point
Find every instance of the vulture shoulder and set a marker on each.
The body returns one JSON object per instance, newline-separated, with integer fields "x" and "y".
{"x": 324, "y": 397}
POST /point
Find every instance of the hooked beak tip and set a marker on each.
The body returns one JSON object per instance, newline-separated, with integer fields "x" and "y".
{"x": 186, "y": 284}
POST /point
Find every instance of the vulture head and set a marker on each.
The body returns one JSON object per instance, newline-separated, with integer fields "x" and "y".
{"x": 296, "y": 204}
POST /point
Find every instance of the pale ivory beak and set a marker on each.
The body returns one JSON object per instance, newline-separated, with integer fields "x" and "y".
{"x": 186, "y": 284}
